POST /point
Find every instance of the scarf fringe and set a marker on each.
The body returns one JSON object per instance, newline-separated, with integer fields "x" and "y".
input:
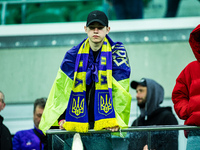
{"x": 105, "y": 123}
{"x": 76, "y": 126}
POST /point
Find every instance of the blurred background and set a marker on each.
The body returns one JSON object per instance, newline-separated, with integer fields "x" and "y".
{"x": 35, "y": 35}
{"x": 43, "y": 11}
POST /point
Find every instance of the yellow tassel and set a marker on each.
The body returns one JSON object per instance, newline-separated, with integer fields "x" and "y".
{"x": 76, "y": 127}
{"x": 105, "y": 123}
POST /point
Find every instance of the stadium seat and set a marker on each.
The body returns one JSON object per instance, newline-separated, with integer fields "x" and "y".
{"x": 53, "y": 12}
{"x": 13, "y": 14}
{"x": 81, "y": 12}
{"x": 44, "y": 17}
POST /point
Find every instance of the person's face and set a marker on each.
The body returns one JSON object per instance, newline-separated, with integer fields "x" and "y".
{"x": 37, "y": 116}
{"x": 141, "y": 95}
{"x": 2, "y": 103}
{"x": 96, "y": 32}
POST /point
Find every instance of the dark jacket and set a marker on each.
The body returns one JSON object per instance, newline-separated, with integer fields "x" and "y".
{"x": 161, "y": 116}
{"x": 5, "y": 136}
{"x": 153, "y": 114}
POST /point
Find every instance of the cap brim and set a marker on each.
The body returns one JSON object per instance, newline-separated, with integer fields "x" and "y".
{"x": 96, "y": 20}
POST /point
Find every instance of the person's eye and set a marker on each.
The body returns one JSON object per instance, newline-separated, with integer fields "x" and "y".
{"x": 91, "y": 28}
{"x": 100, "y": 28}
{"x": 39, "y": 115}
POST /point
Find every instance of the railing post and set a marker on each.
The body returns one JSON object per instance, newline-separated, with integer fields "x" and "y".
{"x": 3, "y": 13}
{"x": 149, "y": 140}
{"x": 23, "y": 9}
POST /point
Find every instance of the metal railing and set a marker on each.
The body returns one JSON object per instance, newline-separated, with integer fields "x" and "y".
{"x": 132, "y": 129}
{"x": 156, "y": 136}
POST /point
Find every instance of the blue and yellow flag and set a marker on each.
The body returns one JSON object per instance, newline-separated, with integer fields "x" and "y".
{"x": 112, "y": 100}
{"x": 76, "y": 114}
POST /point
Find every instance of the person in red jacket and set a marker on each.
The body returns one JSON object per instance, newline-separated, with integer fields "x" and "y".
{"x": 186, "y": 93}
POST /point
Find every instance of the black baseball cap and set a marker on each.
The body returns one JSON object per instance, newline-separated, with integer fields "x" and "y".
{"x": 97, "y": 16}
{"x": 142, "y": 82}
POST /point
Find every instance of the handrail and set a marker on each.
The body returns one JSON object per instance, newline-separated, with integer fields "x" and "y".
{"x": 130, "y": 129}
{"x": 71, "y": 33}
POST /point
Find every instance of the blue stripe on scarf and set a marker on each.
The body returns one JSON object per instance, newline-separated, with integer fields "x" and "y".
{"x": 108, "y": 61}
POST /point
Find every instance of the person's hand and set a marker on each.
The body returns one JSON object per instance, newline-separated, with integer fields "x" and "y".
{"x": 113, "y": 128}
{"x": 61, "y": 122}
{"x": 145, "y": 147}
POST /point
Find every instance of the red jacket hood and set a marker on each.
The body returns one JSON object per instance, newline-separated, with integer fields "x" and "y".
{"x": 195, "y": 42}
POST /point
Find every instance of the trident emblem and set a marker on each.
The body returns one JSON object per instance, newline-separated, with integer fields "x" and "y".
{"x": 78, "y": 107}
{"x": 105, "y": 104}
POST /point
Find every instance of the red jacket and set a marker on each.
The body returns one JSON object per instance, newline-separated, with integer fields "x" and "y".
{"x": 186, "y": 93}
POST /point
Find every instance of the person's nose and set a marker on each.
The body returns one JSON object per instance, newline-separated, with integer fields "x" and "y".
{"x": 96, "y": 29}
{"x": 39, "y": 119}
{"x": 137, "y": 95}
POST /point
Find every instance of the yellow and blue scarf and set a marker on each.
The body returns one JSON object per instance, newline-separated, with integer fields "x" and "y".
{"x": 77, "y": 114}
{"x": 112, "y": 99}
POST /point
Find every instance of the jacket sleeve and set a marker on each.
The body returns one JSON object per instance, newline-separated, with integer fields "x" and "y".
{"x": 16, "y": 142}
{"x": 180, "y": 96}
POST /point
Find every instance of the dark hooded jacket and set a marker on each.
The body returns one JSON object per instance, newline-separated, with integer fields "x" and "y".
{"x": 5, "y": 136}
{"x": 153, "y": 114}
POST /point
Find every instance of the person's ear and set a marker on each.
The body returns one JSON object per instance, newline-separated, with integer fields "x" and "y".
{"x": 85, "y": 28}
{"x": 108, "y": 30}
{"x": 3, "y": 105}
